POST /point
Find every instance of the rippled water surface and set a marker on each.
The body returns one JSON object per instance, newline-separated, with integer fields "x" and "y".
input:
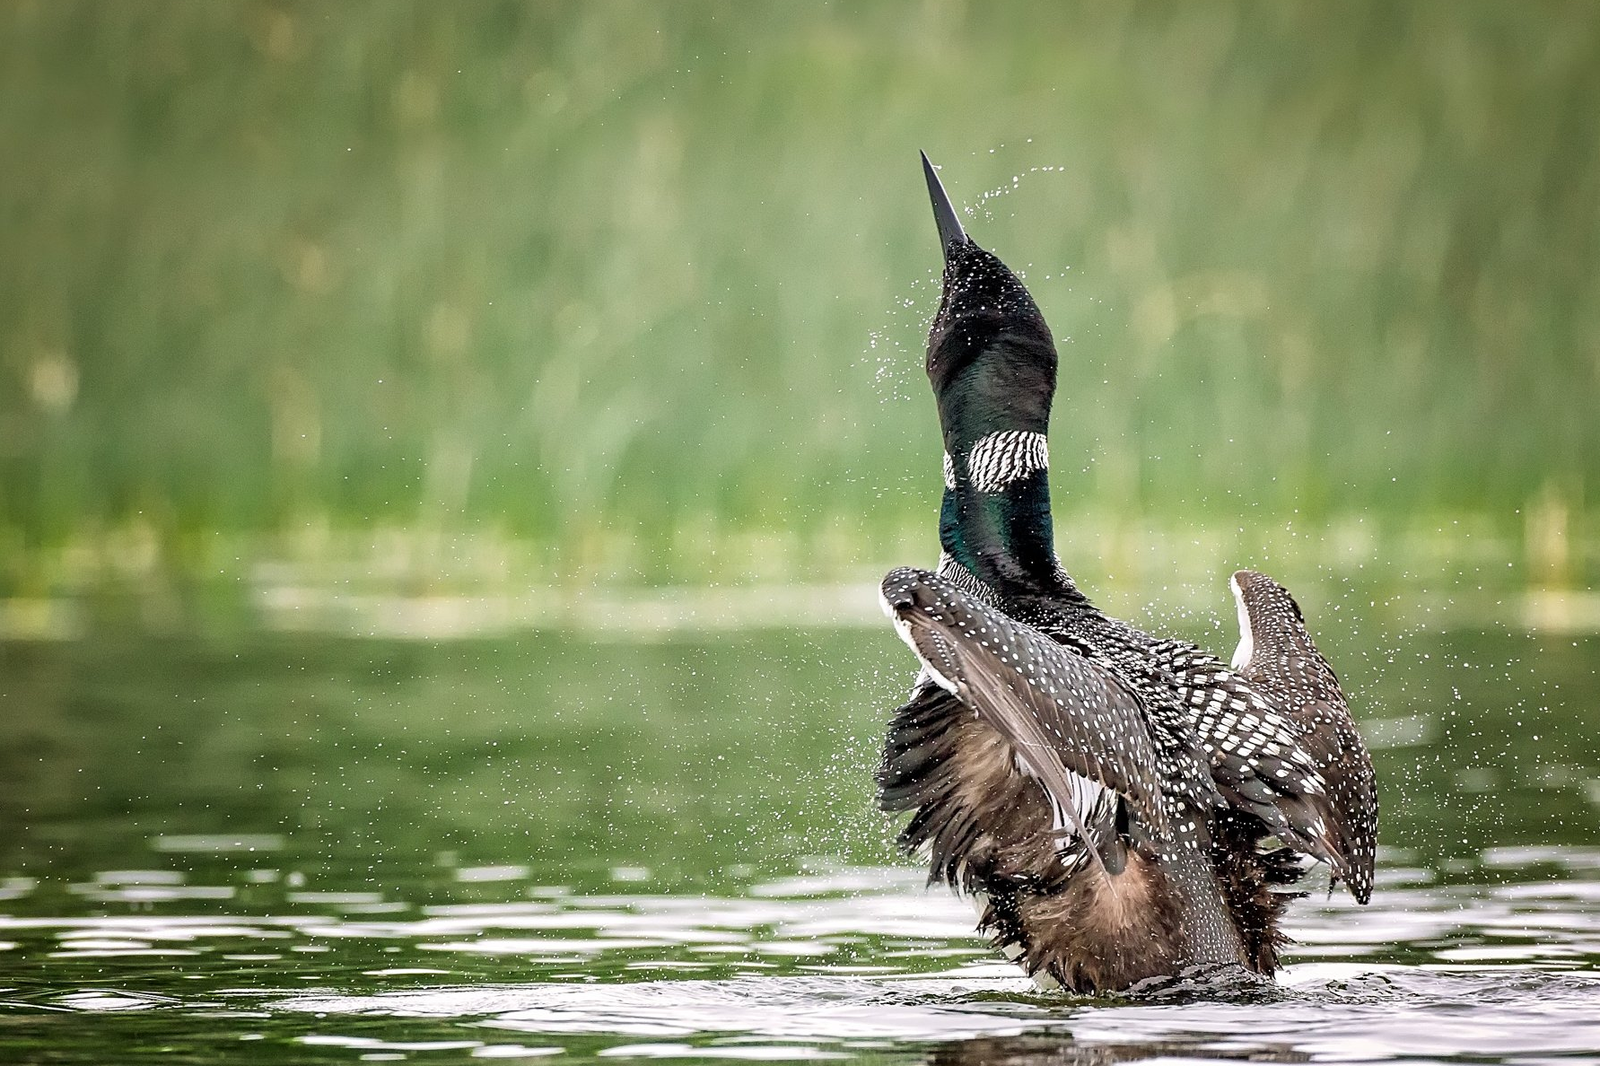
{"x": 278, "y": 848}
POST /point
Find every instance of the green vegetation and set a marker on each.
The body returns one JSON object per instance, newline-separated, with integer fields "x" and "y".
{"x": 640, "y": 283}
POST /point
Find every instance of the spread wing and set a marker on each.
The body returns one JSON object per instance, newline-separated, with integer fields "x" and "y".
{"x": 1278, "y": 658}
{"x": 1258, "y": 759}
{"x": 1067, "y": 718}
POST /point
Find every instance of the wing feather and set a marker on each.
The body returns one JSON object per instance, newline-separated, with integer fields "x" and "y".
{"x": 1279, "y": 660}
{"x": 1064, "y": 715}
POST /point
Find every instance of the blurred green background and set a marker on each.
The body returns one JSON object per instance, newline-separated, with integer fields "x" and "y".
{"x": 621, "y": 293}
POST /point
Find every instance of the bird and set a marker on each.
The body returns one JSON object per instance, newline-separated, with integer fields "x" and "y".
{"x": 1119, "y": 807}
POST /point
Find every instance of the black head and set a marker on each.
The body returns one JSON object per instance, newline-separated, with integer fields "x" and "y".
{"x": 991, "y": 359}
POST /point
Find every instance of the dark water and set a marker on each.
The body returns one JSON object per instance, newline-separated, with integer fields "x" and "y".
{"x": 304, "y": 849}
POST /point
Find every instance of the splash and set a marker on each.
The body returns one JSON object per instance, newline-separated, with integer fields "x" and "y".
{"x": 896, "y": 365}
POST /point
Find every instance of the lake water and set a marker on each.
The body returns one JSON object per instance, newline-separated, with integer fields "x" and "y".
{"x": 299, "y": 848}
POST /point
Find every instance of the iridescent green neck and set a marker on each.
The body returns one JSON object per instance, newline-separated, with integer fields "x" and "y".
{"x": 995, "y": 516}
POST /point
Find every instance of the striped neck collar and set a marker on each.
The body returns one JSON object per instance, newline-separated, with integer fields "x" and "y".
{"x": 995, "y": 516}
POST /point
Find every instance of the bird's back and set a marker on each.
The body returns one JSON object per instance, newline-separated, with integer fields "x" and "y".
{"x": 1041, "y": 784}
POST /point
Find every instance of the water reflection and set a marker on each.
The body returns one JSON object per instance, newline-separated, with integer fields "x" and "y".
{"x": 1036, "y": 1050}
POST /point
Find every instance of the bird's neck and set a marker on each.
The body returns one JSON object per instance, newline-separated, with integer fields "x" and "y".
{"x": 995, "y": 516}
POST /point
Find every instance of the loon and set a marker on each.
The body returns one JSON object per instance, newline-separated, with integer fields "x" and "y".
{"x": 1119, "y": 807}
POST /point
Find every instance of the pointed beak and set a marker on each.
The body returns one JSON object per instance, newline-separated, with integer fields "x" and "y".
{"x": 950, "y": 231}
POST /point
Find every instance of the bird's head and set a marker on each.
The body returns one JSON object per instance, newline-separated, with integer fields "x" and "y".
{"x": 991, "y": 359}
